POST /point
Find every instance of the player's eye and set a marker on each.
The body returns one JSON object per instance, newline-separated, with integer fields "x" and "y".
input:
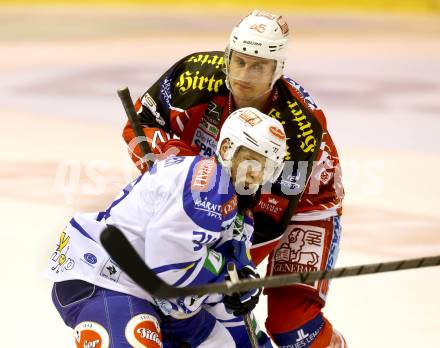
{"x": 241, "y": 62}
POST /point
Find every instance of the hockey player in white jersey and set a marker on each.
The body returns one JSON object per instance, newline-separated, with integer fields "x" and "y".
{"x": 188, "y": 217}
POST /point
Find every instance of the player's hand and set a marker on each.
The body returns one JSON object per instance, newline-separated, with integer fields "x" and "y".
{"x": 241, "y": 254}
{"x": 244, "y": 302}
{"x": 337, "y": 341}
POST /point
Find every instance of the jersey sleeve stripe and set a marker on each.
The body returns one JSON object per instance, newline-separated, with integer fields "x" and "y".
{"x": 78, "y": 227}
{"x": 186, "y": 276}
{"x": 175, "y": 266}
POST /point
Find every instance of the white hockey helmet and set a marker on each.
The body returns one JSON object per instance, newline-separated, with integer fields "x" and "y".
{"x": 263, "y": 35}
{"x": 256, "y": 131}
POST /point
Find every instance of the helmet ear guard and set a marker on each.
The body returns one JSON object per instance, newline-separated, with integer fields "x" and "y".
{"x": 229, "y": 153}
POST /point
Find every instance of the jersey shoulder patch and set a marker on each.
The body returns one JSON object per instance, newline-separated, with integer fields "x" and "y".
{"x": 197, "y": 78}
{"x": 209, "y": 198}
{"x": 302, "y": 92}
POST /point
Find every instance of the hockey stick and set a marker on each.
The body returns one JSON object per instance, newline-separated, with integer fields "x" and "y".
{"x": 232, "y": 271}
{"x": 127, "y": 102}
{"x": 123, "y": 253}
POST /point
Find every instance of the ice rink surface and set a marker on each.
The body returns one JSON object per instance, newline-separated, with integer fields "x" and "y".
{"x": 376, "y": 77}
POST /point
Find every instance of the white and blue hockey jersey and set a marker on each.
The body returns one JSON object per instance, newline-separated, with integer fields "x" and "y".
{"x": 179, "y": 217}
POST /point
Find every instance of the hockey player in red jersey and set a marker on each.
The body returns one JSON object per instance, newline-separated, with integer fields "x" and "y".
{"x": 297, "y": 220}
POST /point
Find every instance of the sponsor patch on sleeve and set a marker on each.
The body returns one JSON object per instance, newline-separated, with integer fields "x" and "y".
{"x": 203, "y": 174}
{"x": 208, "y": 198}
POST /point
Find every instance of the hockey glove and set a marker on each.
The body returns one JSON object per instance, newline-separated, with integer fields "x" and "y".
{"x": 242, "y": 303}
{"x": 241, "y": 254}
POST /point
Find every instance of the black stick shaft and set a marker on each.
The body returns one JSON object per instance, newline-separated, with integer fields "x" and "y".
{"x": 127, "y": 102}
{"x": 123, "y": 253}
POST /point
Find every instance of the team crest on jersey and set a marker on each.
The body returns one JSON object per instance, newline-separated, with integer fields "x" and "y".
{"x": 62, "y": 262}
{"x": 89, "y": 334}
{"x": 142, "y": 331}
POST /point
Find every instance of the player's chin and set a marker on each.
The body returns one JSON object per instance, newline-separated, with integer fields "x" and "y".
{"x": 248, "y": 201}
{"x": 245, "y": 86}
{"x": 244, "y": 189}
{"x": 250, "y": 94}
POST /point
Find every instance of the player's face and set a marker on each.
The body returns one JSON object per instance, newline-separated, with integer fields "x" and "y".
{"x": 247, "y": 170}
{"x": 250, "y": 77}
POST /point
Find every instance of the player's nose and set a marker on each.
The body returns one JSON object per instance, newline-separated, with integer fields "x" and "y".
{"x": 254, "y": 178}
